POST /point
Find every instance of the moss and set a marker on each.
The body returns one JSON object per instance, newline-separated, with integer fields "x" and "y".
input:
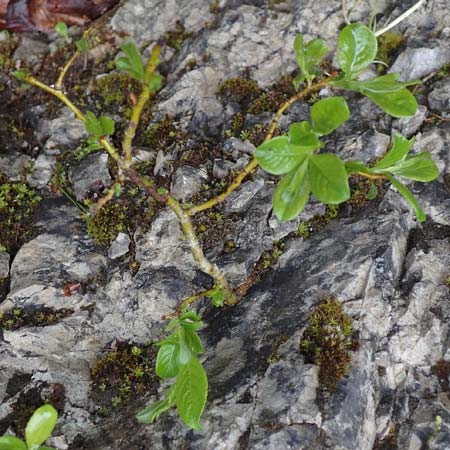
{"x": 388, "y": 43}
{"x": 273, "y": 98}
{"x": 255, "y": 135}
{"x": 123, "y": 375}
{"x": 7, "y": 48}
{"x": 115, "y": 90}
{"x": 123, "y": 214}
{"x": 175, "y": 38}
{"x": 444, "y": 72}
{"x": 18, "y": 201}
{"x": 236, "y": 125}
{"x": 162, "y": 135}
{"x": 363, "y": 190}
{"x": 328, "y": 342}
{"x": 239, "y": 90}
{"x": 40, "y": 317}
{"x": 389, "y": 442}
{"x": 307, "y": 228}
{"x": 442, "y": 371}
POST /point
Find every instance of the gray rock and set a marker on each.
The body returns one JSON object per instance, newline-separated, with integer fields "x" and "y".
{"x": 209, "y": 118}
{"x": 409, "y": 125}
{"x": 439, "y": 97}
{"x": 222, "y": 168}
{"x": 42, "y": 171}
{"x": 4, "y": 264}
{"x": 236, "y": 148}
{"x": 152, "y": 18}
{"x": 30, "y": 50}
{"x": 187, "y": 181}
{"x": 13, "y": 164}
{"x": 120, "y": 246}
{"x": 91, "y": 171}
{"x": 414, "y": 63}
{"x": 60, "y": 133}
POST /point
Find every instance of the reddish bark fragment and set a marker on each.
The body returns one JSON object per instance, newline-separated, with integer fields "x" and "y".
{"x": 43, "y": 15}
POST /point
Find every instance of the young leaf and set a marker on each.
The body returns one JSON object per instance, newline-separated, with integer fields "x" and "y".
{"x": 186, "y": 353}
{"x": 409, "y": 197}
{"x": 277, "y": 156}
{"x": 292, "y": 193}
{"x": 107, "y": 125}
{"x": 193, "y": 341}
{"x": 307, "y": 57}
{"x": 398, "y": 152}
{"x": 372, "y": 192}
{"x": 301, "y": 133}
{"x": 418, "y": 168}
{"x": 328, "y": 178}
{"x": 328, "y": 114}
{"x": 168, "y": 361}
{"x": 62, "y": 30}
{"x": 217, "y": 298}
{"x": 191, "y": 392}
{"x": 40, "y": 426}
{"x": 357, "y": 48}
{"x": 82, "y": 45}
{"x": 12, "y": 443}
{"x": 93, "y": 126}
{"x": 154, "y": 410}
{"x": 397, "y": 104}
{"x": 132, "y": 61}
{"x": 357, "y": 166}
{"x": 379, "y": 85}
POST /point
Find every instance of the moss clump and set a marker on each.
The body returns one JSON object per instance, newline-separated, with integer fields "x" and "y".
{"x": 272, "y": 99}
{"x": 18, "y": 202}
{"x": 7, "y": 47}
{"x": 175, "y": 38}
{"x": 162, "y": 135}
{"x": 307, "y": 228}
{"x": 114, "y": 90}
{"x": 388, "y": 43}
{"x": 442, "y": 371}
{"x": 38, "y": 317}
{"x": 123, "y": 375}
{"x": 328, "y": 342}
{"x": 363, "y": 190}
{"x": 236, "y": 125}
{"x": 125, "y": 214}
{"x": 239, "y": 90}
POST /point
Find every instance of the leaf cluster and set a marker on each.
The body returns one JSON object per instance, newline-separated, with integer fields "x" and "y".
{"x": 39, "y": 428}
{"x": 177, "y": 358}
{"x": 297, "y": 155}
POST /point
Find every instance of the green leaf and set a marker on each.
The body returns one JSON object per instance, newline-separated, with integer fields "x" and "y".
{"x": 82, "y": 45}
{"x": 380, "y": 85}
{"x": 92, "y": 124}
{"x": 357, "y": 166}
{"x": 292, "y": 193}
{"x": 302, "y": 134}
{"x": 357, "y": 48}
{"x": 308, "y": 56}
{"x": 191, "y": 392}
{"x": 372, "y": 192}
{"x": 154, "y": 410}
{"x": 217, "y": 298}
{"x": 155, "y": 82}
{"x": 277, "y": 156}
{"x": 21, "y": 74}
{"x": 409, "y": 197}
{"x": 132, "y": 62}
{"x": 418, "y": 168}
{"x": 193, "y": 341}
{"x": 329, "y": 179}
{"x": 186, "y": 353}
{"x": 40, "y": 426}
{"x": 107, "y": 125}
{"x": 62, "y": 30}
{"x": 328, "y": 114}
{"x": 12, "y": 443}
{"x": 398, "y": 152}
{"x": 43, "y": 447}
{"x": 168, "y": 361}
{"x": 397, "y": 104}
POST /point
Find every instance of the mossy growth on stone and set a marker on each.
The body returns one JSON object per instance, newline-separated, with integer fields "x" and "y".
{"x": 122, "y": 375}
{"x": 114, "y": 91}
{"x": 7, "y": 46}
{"x": 175, "y": 38}
{"x": 123, "y": 214}
{"x": 328, "y": 342}
{"x": 307, "y": 228}
{"x": 18, "y": 201}
{"x": 388, "y": 43}
{"x": 38, "y": 317}
{"x": 162, "y": 135}
{"x": 274, "y": 97}
{"x": 239, "y": 90}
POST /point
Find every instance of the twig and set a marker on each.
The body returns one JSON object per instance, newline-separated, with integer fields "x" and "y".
{"x": 253, "y": 164}
{"x": 188, "y": 301}
{"x": 400, "y": 18}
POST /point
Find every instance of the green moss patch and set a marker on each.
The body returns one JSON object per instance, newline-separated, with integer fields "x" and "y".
{"x": 18, "y": 202}
{"x": 38, "y": 317}
{"x": 328, "y": 342}
{"x": 388, "y": 43}
{"x": 175, "y": 38}
{"x": 123, "y": 375}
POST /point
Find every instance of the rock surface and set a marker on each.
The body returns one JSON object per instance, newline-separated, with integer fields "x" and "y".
{"x": 389, "y": 272}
